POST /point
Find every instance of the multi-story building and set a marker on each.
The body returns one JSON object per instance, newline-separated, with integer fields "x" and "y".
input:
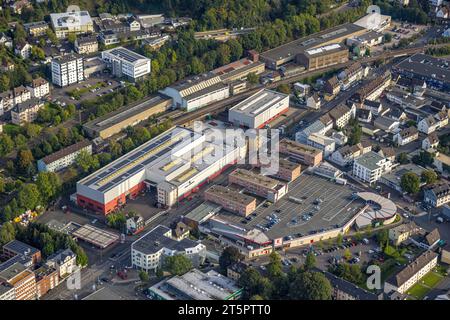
{"x": 18, "y": 248}
{"x": 263, "y": 186}
{"x": 196, "y": 285}
{"x": 345, "y": 290}
{"x": 322, "y": 57}
{"x": 430, "y": 142}
{"x": 39, "y": 88}
{"x": 46, "y": 279}
{"x": 355, "y": 72}
{"x": 287, "y": 170}
{"x": 437, "y": 194}
{"x": 332, "y": 86}
{"x": 406, "y": 136}
{"x": 67, "y": 70}
{"x": 86, "y": 45}
{"x": 432, "y": 70}
{"x": 172, "y": 163}
{"x": 301, "y": 153}
{"x": 63, "y": 261}
{"x": 126, "y": 63}
{"x": 63, "y": 158}
{"x": 36, "y": 29}
{"x": 411, "y": 273}
{"x": 259, "y": 109}
{"x": 403, "y": 232}
{"x": 341, "y": 115}
{"x": 231, "y": 200}
{"x": 26, "y": 111}
{"x": 373, "y": 89}
{"x": 21, "y": 94}
{"x": 371, "y": 166}
{"x": 22, "y": 279}
{"x": 428, "y": 125}
{"x": 71, "y": 22}
{"x": 149, "y": 251}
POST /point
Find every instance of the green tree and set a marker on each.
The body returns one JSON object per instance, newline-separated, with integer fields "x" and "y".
{"x": 143, "y": 276}
{"x": 310, "y": 286}
{"x": 24, "y": 160}
{"x": 252, "y": 78}
{"x": 382, "y": 237}
{"x": 339, "y": 239}
{"x": 410, "y": 183}
{"x": 310, "y": 261}
{"x": 274, "y": 267}
{"x": 229, "y": 256}
{"x": 402, "y": 158}
{"x": 116, "y": 220}
{"x": 429, "y": 176}
{"x": 347, "y": 254}
{"x": 86, "y": 161}
{"x": 49, "y": 185}
{"x": 178, "y": 264}
{"x": 29, "y": 196}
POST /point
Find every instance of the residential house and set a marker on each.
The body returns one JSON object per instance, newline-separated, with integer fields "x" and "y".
{"x": 431, "y": 142}
{"x": 39, "y": 88}
{"x": 398, "y": 114}
{"x": 375, "y": 107}
{"x": 64, "y": 261}
{"x": 345, "y": 290}
{"x": 21, "y": 94}
{"x": 313, "y": 102}
{"x": 393, "y": 179}
{"x": 403, "y": 232}
{"x": 341, "y": 115}
{"x": 135, "y": 224}
{"x": 36, "y": 29}
{"x": 86, "y": 45}
{"x": 428, "y": 125}
{"x": 23, "y": 50}
{"x": 411, "y": 273}
{"x": 437, "y": 194}
{"x": 345, "y": 155}
{"x": 26, "y": 111}
{"x": 332, "y": 86}
{"x": 47, "y": 278}
{"x": 63, "y": 158}
{"x": 6, "y": 40}
{"x": 406, "y": 136}
{"x": 388, "y": 153}
{"x": 427, "y": 240}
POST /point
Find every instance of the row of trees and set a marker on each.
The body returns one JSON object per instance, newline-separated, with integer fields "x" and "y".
{"x": 43, "y": 238}
{"x": 410, "y": 181}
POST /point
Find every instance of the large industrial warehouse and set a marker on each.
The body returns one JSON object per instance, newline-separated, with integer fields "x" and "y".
{"x": 259, "y": 109}
{"x": 173, "y": 164}
{"x": 129, "y": 115}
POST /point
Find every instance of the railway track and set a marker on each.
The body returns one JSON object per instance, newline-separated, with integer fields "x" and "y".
{"x": 184, "y": 118}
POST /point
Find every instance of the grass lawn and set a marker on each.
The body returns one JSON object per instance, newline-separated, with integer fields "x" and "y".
{"x": 418, "y": 291}
{"x": 431, "y": 279}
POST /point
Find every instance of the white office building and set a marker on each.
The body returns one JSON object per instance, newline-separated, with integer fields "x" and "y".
{"x": 67, "y": 70}
{"x": 148, "y": 252}
{"x": 371, "y": 166}
{"x": 126, "y": 63}
{"x": 71, "y": 22}
{"x": 64, "y": 157}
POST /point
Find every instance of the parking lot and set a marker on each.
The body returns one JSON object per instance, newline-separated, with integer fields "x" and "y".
{"x": 94, "y": 87}
{"x": 319, "y": 205}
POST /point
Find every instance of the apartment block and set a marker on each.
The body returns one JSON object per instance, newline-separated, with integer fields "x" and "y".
{"x": 67, "y": 70}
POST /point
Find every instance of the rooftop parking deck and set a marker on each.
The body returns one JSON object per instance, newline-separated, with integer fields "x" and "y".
{"x": 336, "y": 206}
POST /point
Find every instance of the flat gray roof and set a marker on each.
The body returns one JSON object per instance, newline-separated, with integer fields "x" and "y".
{"x": 259, "y": 102}
{"x": 294, "y": 47}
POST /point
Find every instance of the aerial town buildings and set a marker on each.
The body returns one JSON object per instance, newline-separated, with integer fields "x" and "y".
{"x": 126, "y": 63}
